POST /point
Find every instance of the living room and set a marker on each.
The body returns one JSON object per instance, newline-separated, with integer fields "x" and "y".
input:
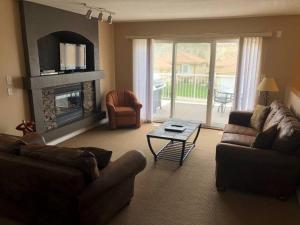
{"x": 179, "y": 112}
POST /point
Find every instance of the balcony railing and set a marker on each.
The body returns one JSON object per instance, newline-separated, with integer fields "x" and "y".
{"x": 193, "y": 87}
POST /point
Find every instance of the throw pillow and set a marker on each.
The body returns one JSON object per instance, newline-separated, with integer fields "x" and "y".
{"x": 82, "y": 160}
{"x": 288, "y": 137}
{"x": 265, "y": 139}
{"x": 10, "y": 144}
{"x": 259, "y": 116}
{"x": 102, "y": 156}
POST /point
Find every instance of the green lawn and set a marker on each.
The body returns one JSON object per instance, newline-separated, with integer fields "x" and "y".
{"x": 187, "y": 90}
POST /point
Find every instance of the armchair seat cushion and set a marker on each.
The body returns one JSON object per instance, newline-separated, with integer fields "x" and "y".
{"x": 125, "y": 111}
{"x": 238, "y": 139}
{"x": 237, "y": 129}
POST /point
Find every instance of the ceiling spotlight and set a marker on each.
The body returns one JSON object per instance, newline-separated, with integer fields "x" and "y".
{"x": 109, "y": 19}
{"x": 100, "y": 16}
{"x": 89, "y": 14}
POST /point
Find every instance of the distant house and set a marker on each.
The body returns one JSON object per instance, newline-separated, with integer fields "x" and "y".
{"x": 188, "y": 63}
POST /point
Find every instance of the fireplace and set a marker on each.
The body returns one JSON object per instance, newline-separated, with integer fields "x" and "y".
{"x": 68, "y": 104}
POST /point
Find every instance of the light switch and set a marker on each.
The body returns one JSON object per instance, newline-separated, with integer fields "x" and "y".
{"x": 279, "y": 33}
{"x": 9, "y": 91}
{"x": 8, "y": 80}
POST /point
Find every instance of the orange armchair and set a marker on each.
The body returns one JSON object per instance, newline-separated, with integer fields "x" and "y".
{"x": 123, "y": 109}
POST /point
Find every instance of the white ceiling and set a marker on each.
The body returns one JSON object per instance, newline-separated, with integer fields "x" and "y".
{"x": 142, "y": 10}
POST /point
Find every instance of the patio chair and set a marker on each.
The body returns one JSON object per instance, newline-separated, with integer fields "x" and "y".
{"x": 223, "y": 98}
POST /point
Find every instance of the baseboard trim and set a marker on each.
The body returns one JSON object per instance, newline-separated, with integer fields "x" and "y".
{"x": 75, "y": 133}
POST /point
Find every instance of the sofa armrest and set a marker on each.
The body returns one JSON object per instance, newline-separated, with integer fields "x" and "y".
{"x": 128, "y": 165}
{"x": 241, "y": 118}
{"x": 236, "y": 154}
{"x": 34, "y": 138}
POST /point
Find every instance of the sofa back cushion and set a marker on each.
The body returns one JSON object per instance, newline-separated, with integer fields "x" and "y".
{"x": 259, "y": 116}
{"x": 21, "y": 175}
{"x": 10, "y": 144}
{"x": 288, "y": 137}
{"x": 81, "y": 160}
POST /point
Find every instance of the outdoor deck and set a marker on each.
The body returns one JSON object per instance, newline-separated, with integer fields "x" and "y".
{"x": 193, "y": 111}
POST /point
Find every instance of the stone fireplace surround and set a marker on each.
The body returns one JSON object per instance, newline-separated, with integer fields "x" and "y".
{"x": 38, "y": 21}
{"x": 49, "y": 108}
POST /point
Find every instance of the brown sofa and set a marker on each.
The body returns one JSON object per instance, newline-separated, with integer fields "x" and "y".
{"x": 274, "y": 171}
{"x": 38, "y": 192}
{"x": 123, "y": 109}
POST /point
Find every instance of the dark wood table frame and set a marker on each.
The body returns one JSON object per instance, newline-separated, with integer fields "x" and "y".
{"x": 175, "y": 148}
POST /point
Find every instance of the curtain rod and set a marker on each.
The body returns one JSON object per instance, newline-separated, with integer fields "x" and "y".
{"x": 206, "y": 35}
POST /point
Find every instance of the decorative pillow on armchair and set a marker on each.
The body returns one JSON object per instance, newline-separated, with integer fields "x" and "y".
{"x": 259, "y": 117}
{"x": 266, "y": 138}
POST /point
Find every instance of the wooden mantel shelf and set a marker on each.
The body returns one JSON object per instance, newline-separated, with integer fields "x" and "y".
{"x": 40, "y": 82}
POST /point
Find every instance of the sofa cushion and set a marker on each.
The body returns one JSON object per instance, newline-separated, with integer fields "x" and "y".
{"x": 236, "y": 129}
{"x": 238, "y": 139}
{"x": 288, "y": 137}
{"x": 277, "y": 117}
{"x": 125, "y": 111}
{"x": 274, "y": 107}
{"x": 82, "y": 160}
{"x": 102, "y": 156}
{"x": 259, "y": 116}
{"x": 265, "y": 139}
{"x": 10, "y": 144}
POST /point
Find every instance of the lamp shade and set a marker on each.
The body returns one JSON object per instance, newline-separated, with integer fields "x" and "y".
{"x": 268, "y": 84}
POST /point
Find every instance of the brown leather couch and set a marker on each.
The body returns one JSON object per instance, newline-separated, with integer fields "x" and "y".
{"x": 39, "y": 192}
{"x": 274, "y": 171}
{"x": 123, "y": 109}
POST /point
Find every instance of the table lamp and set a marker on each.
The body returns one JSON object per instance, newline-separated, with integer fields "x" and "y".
{"x": 267, "y": 85}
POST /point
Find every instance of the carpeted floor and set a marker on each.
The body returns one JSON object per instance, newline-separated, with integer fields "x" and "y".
{"x": 166, "y": 194}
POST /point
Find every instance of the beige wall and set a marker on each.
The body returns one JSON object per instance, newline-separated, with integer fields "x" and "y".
{"x": 107, "y": 59}
{"x": 13, "y": 108}
{"x": 281, "y": 56}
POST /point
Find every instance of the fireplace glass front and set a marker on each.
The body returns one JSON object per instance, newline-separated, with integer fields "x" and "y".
{"x": 68, "y": 104}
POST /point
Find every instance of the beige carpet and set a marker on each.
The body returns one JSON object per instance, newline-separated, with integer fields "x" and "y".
{"x": 166, "y": 194}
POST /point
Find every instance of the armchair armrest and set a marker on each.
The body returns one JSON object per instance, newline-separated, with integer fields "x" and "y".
{"x": 110, "y": 106}
{"x": 137, "y": 105}
{"x": 241, "y": 118}
{"x": 130, "y": 164}
{"x": 34, "y": 138}
{"x": 243, "y": 155}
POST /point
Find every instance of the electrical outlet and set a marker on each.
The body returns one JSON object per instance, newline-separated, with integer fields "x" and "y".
{"x": 9, "y": 91}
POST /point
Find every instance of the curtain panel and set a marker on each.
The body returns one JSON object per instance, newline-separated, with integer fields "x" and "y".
{"x": 142, "y": 76}
{"x": 249, "y": 75}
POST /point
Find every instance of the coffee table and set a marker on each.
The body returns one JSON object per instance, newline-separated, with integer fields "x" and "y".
{"x": 178, "y": 147}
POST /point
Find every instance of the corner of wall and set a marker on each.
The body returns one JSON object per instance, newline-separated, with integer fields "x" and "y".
{"x": 107, "y": 59}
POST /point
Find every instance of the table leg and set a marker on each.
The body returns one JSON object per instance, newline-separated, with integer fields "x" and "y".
{"x": 182, "y": 153}
{"x": 151, "y": 149}
{"x": 196, "y": 137}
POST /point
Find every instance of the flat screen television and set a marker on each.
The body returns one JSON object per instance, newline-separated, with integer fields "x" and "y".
{"x": 72, "y": 56}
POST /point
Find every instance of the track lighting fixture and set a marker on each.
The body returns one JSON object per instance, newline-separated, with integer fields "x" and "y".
{"x": 91, "y": 9}
{"x": 100, "y": 16}
{"x": 89, "y": 14}
{"x": 109, "y": 19}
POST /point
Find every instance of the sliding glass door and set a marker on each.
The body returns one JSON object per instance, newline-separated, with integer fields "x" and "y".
{"x": 190, "y": 80}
